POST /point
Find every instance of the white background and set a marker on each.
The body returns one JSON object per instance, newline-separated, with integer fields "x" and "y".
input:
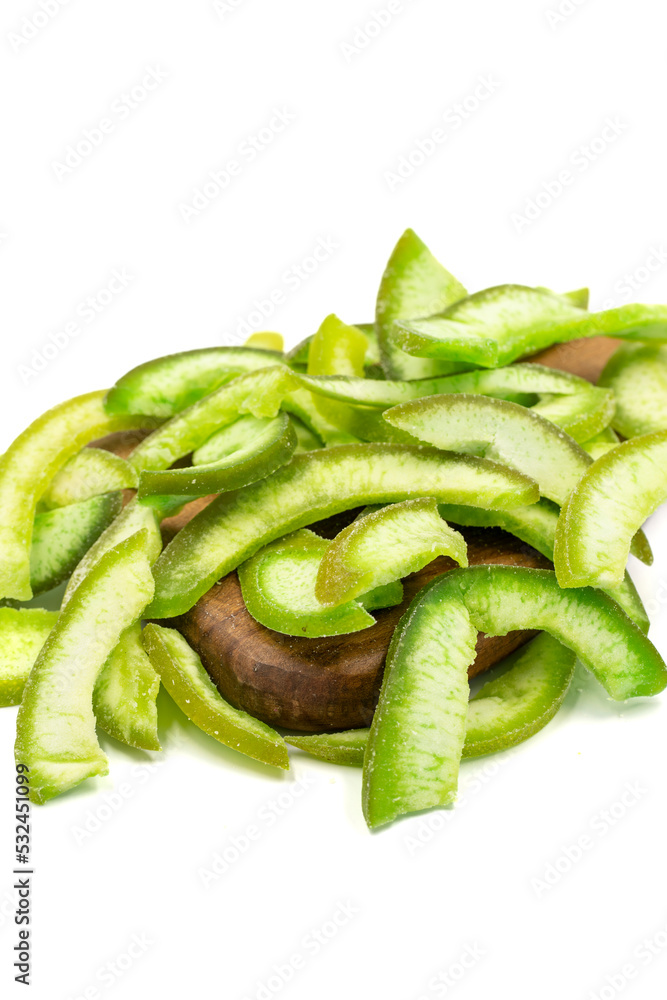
{"x": 472, "y": 882}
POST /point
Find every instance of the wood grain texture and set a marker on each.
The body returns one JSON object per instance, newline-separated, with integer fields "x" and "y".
{"x": 315, "y": 685}
{"x": 585, "y": 357}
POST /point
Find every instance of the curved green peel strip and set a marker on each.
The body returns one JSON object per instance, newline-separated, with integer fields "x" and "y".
{"x": 524, "y": 383}
{"x": 336, "y": 349}
{"x": 26, "y": 469}
{"x": 62, "y": 536}
{"x": 612, "y": 500}
{"x": 313, "y": 486}
{"x": 306, "y": 439}
{"x": 259, "y": 393}
{"x": 601, "y": 443}
{"x": 499, "y": 430}
{"x": 132, "y": 518}
{"x": 582, "y": 415}
{"x": 501, "y": 599}
{"x": 192, "y": 689}
{"x": 124, "y": 700}
{"x": 56, "y": 725}
{"x": 301, "y": 404}
{"x": 345, "y": 748}
{"x": 506, "y": 710}
{"x": 637, "y": 373}
{"x": 498, "y": 325}
{"x": 413, "y": 284}
{"x": 265, "y": 449}
{"x": 386, "y": 596}
{"x": 418, "y": 731}
{"x": 536, "y": 525}
{"x": 278, "y": 587}
{"x": 165, "y": 386}
{"x": 297, "y": 357}
{"x": 383, "y": 547}
{"x": 89, "y": 473}
{"x": 512, "y": 707}
{"x": 231, "y": 439}
{"x": 23, "y": 632}
{"x": 319, "y": 401}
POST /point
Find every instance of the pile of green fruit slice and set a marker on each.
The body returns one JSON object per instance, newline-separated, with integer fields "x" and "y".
{"x": 429, "y": 418}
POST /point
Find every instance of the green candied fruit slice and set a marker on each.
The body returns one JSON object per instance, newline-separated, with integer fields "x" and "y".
{"x": 313, "y": 486}
{"x": 124, "y": 700}
{"x": 536, "y": 525}
{"x": 187, "y": 682}
{"x": 132, "y": 518}
{"x": 306, "y": 439}
{"x": 278, "y": 586}
{"x": 300, "y": 403}
{"x": 27, "y": 467}
{"x": 413, "y": 284}
{"x": 417, "y": 736}
{"x": 386, "y": 596}
{"x": 637, "y": 373}
{"x": 412, "y": 756}
{"x": 522, "y": 383}
{"x": 55, "y": 729}
{"x": 581, "y": 415}
{"x": 601, "y": 443}
{"x": 266, "y": 449}
{"x": 259, "y": 393}
{"x": 336, "y": 349}
{"x": 23, "y": 632}
{"x": 513, "y": 706}
{"x": 498, "y": 325}
{"x": 297, "y": 357}
{"x": 165, "y": 386}
{"x": 62, "y": 536}
{"x": 383, "y": 547}
{"x": 597, "y": 525}
{"x": 89, "y": 473}
{"x": 498, "y": 430}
